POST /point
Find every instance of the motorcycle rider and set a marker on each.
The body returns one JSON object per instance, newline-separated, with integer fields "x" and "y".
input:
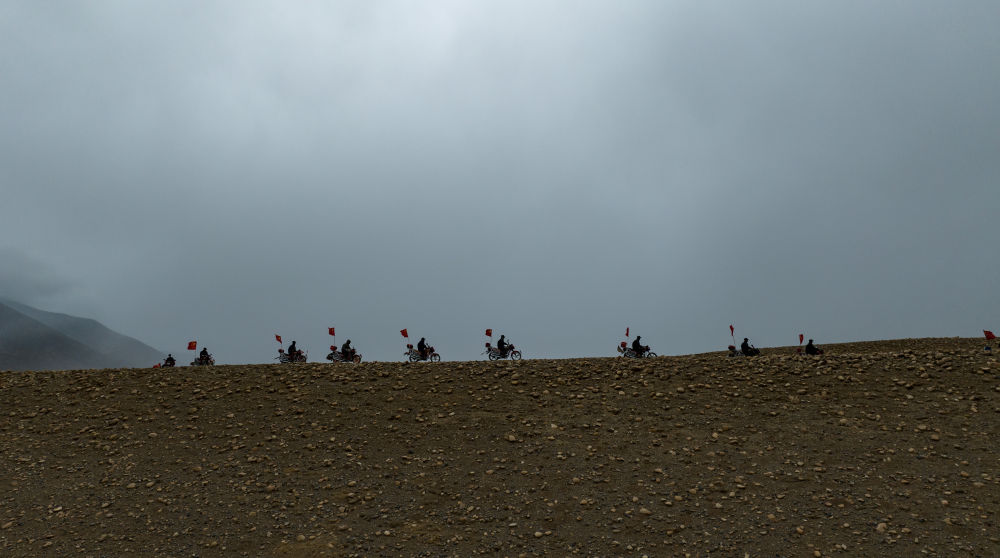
{"x": 422, "y": 348}
{"x": 637, "y": 346}
{"x": 812, "y": 349}
{"x": 204, "y": 356}
{"x": 347, "y": 351}
{"x": 169, "y": 361}
{"x": 502, "y": 345}
{"x": 292, "y": 350}
{"x": 748, "y": 350}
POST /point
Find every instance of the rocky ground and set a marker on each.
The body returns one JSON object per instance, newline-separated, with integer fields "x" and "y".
{"x": 874, "y": 449}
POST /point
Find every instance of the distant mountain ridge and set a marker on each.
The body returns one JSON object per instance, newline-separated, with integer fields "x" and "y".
{"x": 33, "y": 339}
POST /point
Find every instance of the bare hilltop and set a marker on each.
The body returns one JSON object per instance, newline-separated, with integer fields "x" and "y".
{"x": 883, "y": 448}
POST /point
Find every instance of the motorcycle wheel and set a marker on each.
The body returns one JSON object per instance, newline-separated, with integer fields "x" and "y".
{"x": 515, "y": 355}
{"x": 357, "y": 359}
{"x": 435, "y": 358}
{"x": 414, "y": 358}
{"x": 650, "y": 354}
{"x": 492, "y": 356}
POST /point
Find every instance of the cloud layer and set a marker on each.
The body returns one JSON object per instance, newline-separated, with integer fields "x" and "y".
{"x": 556, "y": 171}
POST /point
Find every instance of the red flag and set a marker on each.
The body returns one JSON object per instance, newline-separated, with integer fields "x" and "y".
{"x": 731, "y": 330}
{"x": 626, "y": 332}
{"x": 278, "y": 337}
{"x": 489, "y": 333}
{"x": 800, "y": 338}
{"x": 989, "y": 334}
{"x": 332, "y": 332}
{"x": 192, "y": 345}
{"x": 403, "y": 333}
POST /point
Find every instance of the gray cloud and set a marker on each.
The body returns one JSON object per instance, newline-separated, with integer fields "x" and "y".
{"x": 26, "y": 278}
{"x": 554, "y": 170}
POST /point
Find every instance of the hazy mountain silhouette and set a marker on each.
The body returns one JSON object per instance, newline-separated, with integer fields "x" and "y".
{"x": 32, "y": 339}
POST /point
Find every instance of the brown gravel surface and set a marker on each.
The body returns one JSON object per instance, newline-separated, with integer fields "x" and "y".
{"x": 874, "y": 449}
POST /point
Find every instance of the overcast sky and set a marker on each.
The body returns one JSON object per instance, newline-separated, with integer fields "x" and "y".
{"x": 554, "y": 170}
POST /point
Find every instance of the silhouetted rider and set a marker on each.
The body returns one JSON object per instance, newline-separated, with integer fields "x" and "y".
{"x": 811, "y": 349}
{"x": 203, "y": 355}
{"x": 169, "y": 361}
{"x": 747, "y": 349}
{"x": 422, "y": 348}
{"x": 292, "y": 350}
{"x": 637, "y": 346}
{"x": 347, "y": 350}
{"x": 502, "y": 345}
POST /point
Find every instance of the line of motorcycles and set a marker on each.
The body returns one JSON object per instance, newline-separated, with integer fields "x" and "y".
{"x": 412, "y": 354}
{"x": 201, "y": 360}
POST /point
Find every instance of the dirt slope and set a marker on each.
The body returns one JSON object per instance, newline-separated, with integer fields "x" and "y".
{"x": 875, "y": 449}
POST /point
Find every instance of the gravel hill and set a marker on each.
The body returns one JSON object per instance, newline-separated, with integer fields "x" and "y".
{"x": 874, "y": 449}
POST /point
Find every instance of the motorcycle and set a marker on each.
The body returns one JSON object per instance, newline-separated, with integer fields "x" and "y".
{"x": 496, "y": 354}
{"x": 285, "y": 358}
{"x": 415, "y": 356}
{"x": 629, "y": 352}
{"x": 337, "y": 356}
{"x": 168, "y": 363}
{"x": 203, "y": 361}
